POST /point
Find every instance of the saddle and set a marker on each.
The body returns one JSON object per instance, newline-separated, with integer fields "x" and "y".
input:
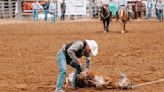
{"x": 123, "y": 14}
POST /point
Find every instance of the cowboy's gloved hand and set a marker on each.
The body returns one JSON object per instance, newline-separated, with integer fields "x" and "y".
{"x": 83, "y": 73}
{"x": 79, "y": 67}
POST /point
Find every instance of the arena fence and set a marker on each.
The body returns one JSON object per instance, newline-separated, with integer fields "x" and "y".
{"x": 7, "y": 9}
{"x": 14, "y": 9}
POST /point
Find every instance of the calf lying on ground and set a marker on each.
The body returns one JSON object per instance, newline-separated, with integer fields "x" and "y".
{"x": 100, "y": 82}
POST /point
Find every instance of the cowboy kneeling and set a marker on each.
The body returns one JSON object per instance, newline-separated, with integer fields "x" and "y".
{"x": 69, "y": 54}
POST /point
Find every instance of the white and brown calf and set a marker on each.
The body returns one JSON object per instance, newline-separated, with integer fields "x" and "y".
{"x": 100, "y": 82}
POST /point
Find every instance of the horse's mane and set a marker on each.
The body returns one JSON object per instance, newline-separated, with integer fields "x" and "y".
{"x": 104, "y": 11}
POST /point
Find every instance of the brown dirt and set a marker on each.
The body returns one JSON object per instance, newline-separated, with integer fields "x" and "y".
{"x": 28, "y": 54}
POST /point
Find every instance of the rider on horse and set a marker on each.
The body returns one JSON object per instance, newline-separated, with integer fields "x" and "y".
{"x": 121, "y": 4}
{"x": 105, "y": 16}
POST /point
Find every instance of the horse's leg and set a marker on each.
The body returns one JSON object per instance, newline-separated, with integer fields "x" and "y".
{"x": 107, "y": 25}
{"x": 117, "y": 16}
{"x": 104, "y": 26}
{"x": 123, "y": 26}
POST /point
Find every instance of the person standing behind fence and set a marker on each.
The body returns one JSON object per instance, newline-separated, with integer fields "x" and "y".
{"x": 35, "y": 6}
{"x": 63, "y": 9}
{"x": 46, "y": 10}
{"x": 149, "y": 8}
{"x": 159, "y": 11}
{"x": 52, "y": 10}
{"x": 112, "y": 8}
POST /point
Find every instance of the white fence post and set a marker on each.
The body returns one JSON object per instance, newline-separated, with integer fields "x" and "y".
{"x": 2, "y": 9}
{"x": 7, "y": 8}
{"x": 19, "y": 9}
{"x": 10, "y": 8}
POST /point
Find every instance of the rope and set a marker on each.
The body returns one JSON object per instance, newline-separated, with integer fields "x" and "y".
{"x": 10, "y": 58}
{"x": 143, "y": 84}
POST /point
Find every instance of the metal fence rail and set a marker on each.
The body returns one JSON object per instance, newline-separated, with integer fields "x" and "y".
{"x": 7, "y": 9}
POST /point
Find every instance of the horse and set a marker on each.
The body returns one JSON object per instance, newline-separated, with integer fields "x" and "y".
{"x": 105, "y": 17}
{"x": 123, "y": 16}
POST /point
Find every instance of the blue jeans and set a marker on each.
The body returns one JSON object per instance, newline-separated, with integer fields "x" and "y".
{"x": 46, "y": 15}
{"x": 53, "y": 18}
{"x": 62, "y": 15}
{"x": 149, "y": 13}
{"x": 74, "y": 78}
{"x": 160, "y": 15}
{"x": 35, "y": 15}
{"x": 62, "y": 69}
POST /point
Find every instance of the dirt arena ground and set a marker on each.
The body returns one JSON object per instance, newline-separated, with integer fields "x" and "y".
{"x": 28, "y": 54}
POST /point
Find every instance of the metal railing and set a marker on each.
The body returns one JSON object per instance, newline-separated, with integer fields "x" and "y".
{"x": 7, "y": 9}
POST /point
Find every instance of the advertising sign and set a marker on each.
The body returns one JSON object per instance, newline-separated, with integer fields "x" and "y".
{"x": 73, "y": 7}
{"x": 27, "y": 6}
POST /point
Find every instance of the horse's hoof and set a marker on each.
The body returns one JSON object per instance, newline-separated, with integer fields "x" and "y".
{"x": 122, "y": 32}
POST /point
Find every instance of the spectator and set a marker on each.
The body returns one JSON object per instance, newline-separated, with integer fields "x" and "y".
{"x": 52, "y": 10}
{"x": 46, "y": 7}
{"x": 35, "y": 6}
{"x": 94, "y": 9}
{"x": 112, "y": 8}
{"x": 159, "y": 8}
{"x": 149, "y": 8}
{"x": 129, "y": 9}
{"x": 63, "y": 9}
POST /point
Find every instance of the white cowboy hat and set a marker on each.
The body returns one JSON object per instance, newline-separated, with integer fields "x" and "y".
{"x": 93, "y": 46}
